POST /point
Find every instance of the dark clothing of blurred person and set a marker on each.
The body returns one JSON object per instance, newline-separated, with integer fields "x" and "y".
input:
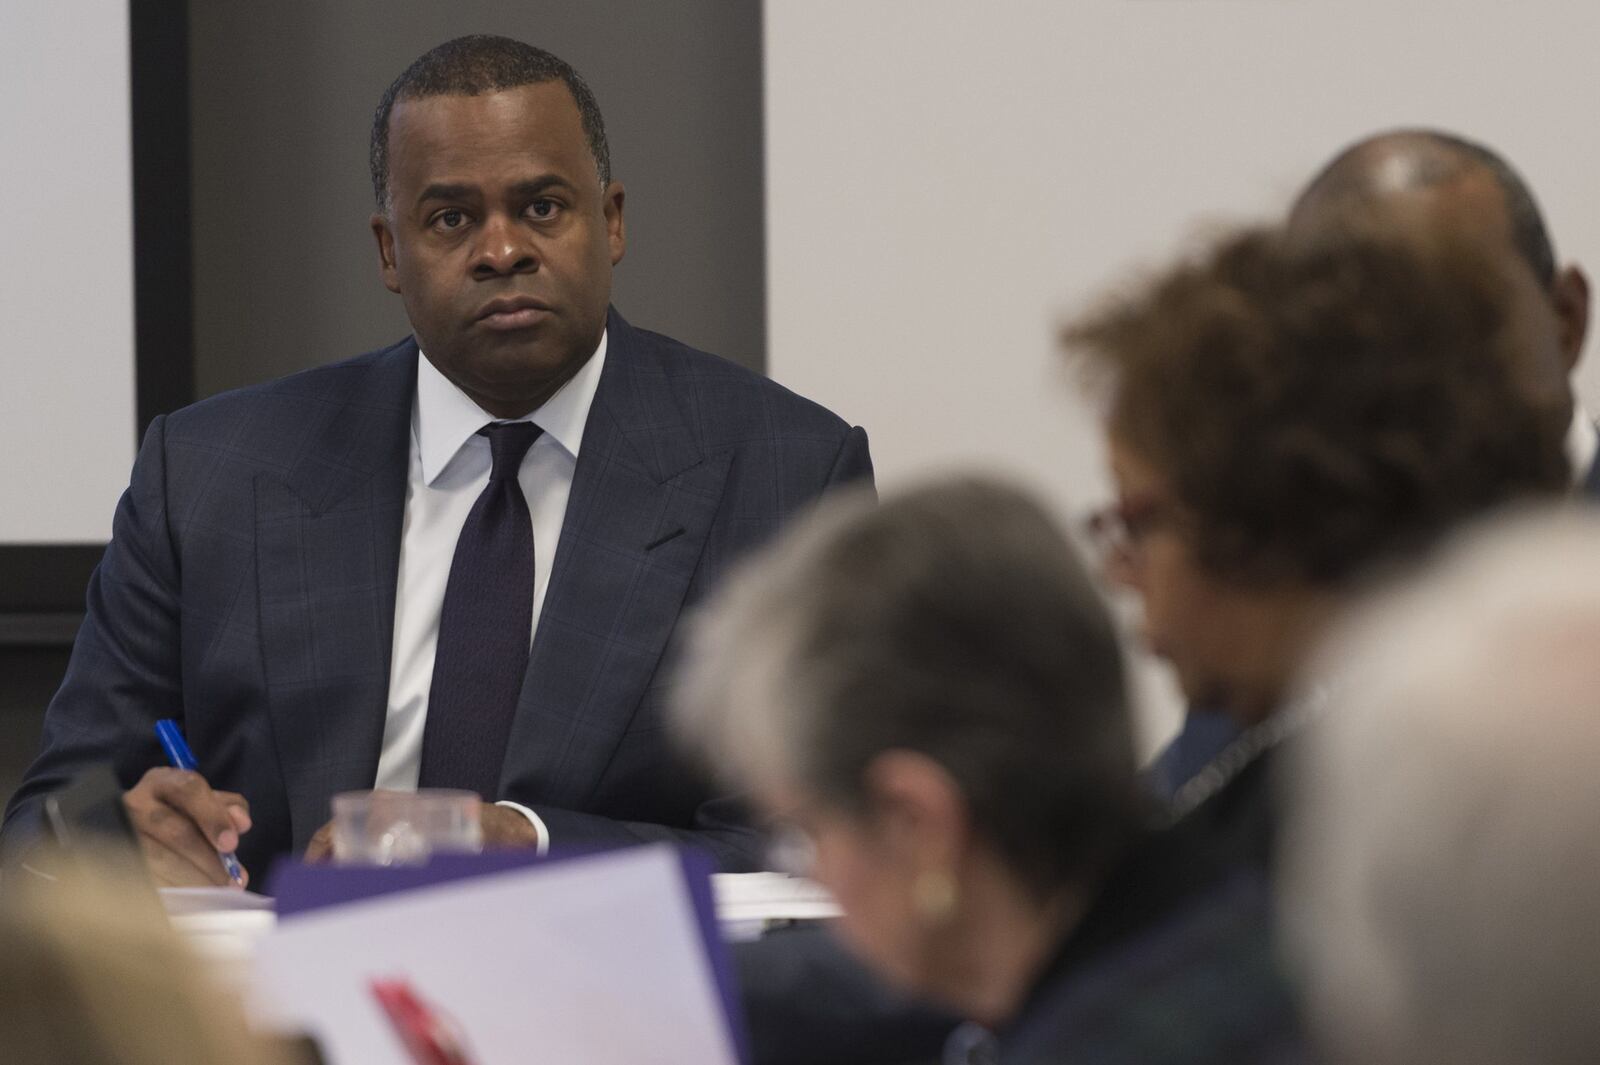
{"x": 1173, "y": 965}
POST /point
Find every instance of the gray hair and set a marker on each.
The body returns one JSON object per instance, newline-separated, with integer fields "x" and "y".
{"x": 1443, "y": 883}
{"x": 954, "y": 620}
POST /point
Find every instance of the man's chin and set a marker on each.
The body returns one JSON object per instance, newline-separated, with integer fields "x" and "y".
{"x": 512, "y": 365}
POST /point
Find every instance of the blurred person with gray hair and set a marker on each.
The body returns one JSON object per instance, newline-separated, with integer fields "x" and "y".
{"x": 1442, "y": 885}
{"x": 928, "y": 699}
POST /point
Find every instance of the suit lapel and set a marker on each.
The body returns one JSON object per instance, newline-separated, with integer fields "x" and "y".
{"x": 328, "y": 548}
{"x": 642, "y": 503}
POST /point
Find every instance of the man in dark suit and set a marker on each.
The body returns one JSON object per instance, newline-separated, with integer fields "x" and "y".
{"x": 334, "y": 579}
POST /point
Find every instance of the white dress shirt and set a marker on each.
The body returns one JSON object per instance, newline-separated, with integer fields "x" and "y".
{"x": 449, "y": 468}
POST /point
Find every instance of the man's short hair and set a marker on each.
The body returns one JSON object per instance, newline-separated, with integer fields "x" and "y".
{"x": 954, "y": 620}
{"x": 1441, "y": 158}
{"x": 1441, "y": 886}
{"x": 473, "y": 66}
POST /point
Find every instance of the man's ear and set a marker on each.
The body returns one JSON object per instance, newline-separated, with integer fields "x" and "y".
{"x": 917, "y": 811}
{"x": 1571, "y": 297}
{"x": 616, "y": 230}
{"x": 386, "y": 263}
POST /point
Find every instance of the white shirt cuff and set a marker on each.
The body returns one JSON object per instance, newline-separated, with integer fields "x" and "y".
{"x": 543, "y": 846}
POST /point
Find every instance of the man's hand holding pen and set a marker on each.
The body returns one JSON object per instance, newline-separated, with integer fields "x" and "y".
{"x": 185, "y": 825}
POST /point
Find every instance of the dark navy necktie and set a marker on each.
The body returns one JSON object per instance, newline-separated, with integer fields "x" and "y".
{"x": 484, "y": 628}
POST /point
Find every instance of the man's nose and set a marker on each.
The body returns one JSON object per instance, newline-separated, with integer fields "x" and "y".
{"x": 504, "y": 247}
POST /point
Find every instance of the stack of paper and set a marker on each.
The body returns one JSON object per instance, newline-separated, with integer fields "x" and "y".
{"x": 750, "y": 903}
{"x": 224, "y": 926}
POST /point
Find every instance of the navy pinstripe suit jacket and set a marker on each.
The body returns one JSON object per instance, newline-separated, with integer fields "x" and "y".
{"x": 249, "y": 590}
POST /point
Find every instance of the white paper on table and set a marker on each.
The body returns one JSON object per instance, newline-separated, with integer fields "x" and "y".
{"x": 597, "y": 960}
{"x": 223, "y": 925}
{"x": 771, "y": 897}
{"x": 181, "y": 901}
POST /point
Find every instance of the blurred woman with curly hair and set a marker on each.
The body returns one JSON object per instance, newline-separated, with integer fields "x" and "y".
{"x": 1286, "y": 421}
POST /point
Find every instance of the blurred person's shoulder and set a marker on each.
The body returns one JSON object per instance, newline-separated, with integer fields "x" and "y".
{"x": 1174, "y": 963}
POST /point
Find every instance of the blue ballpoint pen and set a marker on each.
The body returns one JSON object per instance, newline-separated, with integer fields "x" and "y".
{"x": 178, "y": 753}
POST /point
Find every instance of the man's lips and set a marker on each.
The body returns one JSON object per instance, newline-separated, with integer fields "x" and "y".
{"x": 516, "y": 312}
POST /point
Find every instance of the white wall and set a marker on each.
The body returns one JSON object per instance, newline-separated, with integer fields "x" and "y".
{"x": 947, "y": 179}
{"x": 66, "y": 269}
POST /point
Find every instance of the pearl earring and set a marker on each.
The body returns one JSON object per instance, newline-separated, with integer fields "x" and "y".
{"x": 933, "y": 896}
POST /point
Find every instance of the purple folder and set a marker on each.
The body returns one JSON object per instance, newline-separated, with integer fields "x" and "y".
{"x": 301, "y": 889}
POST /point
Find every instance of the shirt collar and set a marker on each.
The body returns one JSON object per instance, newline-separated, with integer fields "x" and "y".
{"x": 444, "y": 418}
{"x": 1583, "y": 440}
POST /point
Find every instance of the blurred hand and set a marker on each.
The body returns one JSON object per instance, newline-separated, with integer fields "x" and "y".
{"x": 502, "y": 828}
{"x": 183, "y": 823}
{"x": 320, "y": 849}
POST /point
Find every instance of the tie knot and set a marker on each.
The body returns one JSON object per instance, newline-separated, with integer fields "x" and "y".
{"x": 508, "y": 443}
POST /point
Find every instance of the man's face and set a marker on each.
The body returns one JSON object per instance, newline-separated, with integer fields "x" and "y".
{"x": 500, "y": 240}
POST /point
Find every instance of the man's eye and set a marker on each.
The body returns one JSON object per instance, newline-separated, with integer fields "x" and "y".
{"x": 542, "y": 208}
{"x": 451, "y": 219}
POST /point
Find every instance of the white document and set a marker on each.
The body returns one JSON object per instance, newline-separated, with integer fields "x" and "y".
{"x": 223, "y": 925}
{"x": 182, "y": 901}
{"x": 771, "y": 897}
{"x": 594, "y": 960}
{"x": 749, "y": 904}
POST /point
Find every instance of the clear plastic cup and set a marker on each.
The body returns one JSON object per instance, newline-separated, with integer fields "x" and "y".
{"x": 405, "y": 827}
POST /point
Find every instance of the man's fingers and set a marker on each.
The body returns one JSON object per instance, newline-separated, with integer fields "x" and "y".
{"x": 320, "y": 849}
{"x": 238, "y": 808}
{"x": 504, "y": 827}
{"x": 170, "y": 869}
{"x": 182, "y": 822}
{"x": 189, "y": 794}
{"x": 175, "y": 849}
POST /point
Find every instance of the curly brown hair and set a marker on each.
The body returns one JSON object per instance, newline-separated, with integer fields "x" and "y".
{"x": 1318, "y": 409}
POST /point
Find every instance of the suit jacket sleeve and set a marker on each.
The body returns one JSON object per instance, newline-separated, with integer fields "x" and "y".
{"x": 125, "y": 670}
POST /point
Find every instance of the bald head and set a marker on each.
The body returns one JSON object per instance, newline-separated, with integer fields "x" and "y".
{"x": 1448, "y": 190}
{"x": 1425, "y": 170}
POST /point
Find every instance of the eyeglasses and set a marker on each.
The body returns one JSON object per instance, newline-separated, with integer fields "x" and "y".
{"x": 1118, "y": 531}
